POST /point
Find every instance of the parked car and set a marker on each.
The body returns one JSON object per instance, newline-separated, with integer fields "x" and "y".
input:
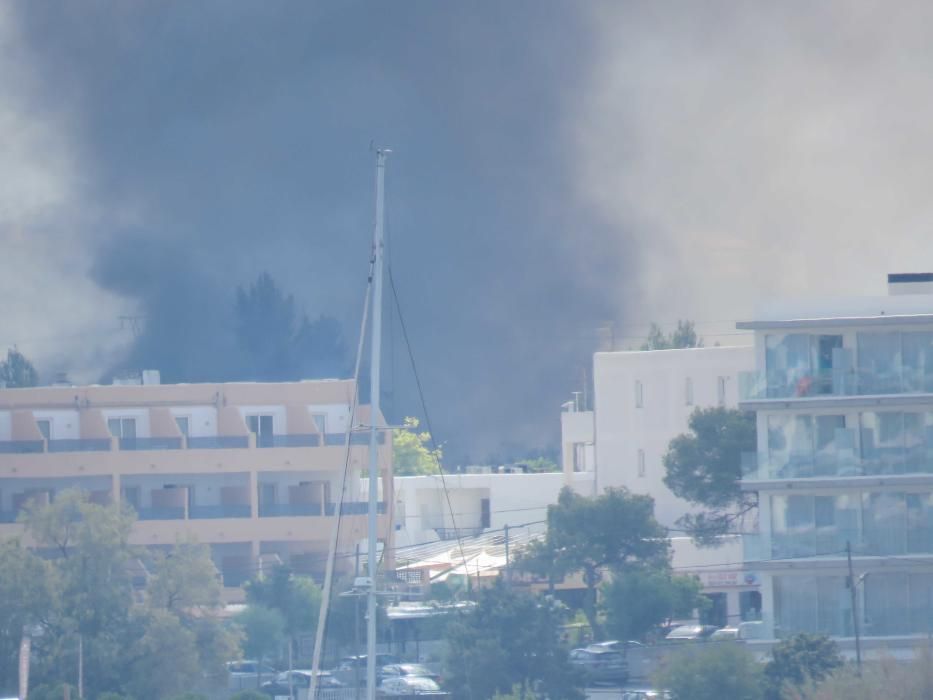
{"x": 405, "y": 686}
{"x": 600, "y": 665}
{"x": 724, "y": 634}
{"x": 647, "y": 694}
{"x": 245, "y": 674}
{"x": 690, "y": 633}
{"x": 615, "y": 645}
{"x": 352, "y": 669}
{"x": 300, "y": 683}
{"x": 397, "y": 670}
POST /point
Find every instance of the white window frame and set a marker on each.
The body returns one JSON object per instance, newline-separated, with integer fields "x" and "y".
{"x": 639, "y": 394}
{"x": 641, "y": 463}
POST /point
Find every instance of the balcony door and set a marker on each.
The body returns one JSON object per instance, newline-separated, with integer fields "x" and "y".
{"x": 261, "y": 427}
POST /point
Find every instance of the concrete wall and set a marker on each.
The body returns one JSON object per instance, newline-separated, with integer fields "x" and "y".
{"x": 628, "y": 435}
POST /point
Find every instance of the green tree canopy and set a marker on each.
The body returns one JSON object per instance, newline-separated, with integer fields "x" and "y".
{"x": 638, "y": 600}
{"x": 612, "y": 530}
{"x": 411, "y": 451}
{"x": 684, "y": 336}
{"x": 704, "y": 467}
{"x": 126, "y": 642}
{"x": 16, "y": 371}
{"x": 264, "y": 633}
{"x": 712, "y": 672}
{"x": 799, "y": 659}
{"x": 510, "y": 639}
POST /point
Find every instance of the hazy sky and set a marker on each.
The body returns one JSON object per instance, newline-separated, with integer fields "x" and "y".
{"x": 556, "y": 166}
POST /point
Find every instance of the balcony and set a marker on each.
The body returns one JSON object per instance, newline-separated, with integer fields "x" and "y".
{"x": 21, "y": 446}
{"x": 831, "y": 383}
{"x": 213, "y": 442}
{"x": 278, "y": 510}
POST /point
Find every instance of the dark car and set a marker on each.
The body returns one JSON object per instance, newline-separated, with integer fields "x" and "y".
{"x": 600, "y": 665}
{"x": 301, "y": 680}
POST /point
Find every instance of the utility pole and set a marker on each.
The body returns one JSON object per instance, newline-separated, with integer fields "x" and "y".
{"x": 375, "y": 388}
{"x": 858, "y": 641}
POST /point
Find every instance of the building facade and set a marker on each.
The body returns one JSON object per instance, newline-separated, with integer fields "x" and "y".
{"x": 643, "y": 400}
{"x": 251, "y": 469}
{"x": 844, "y": 399}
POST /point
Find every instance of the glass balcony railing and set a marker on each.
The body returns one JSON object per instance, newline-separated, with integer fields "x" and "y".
{"x": 218, "y": 511}
{"x": 151, "y": 443}
{"x": 800, "y": 384}
{"x": 844, "y": 462}
{"x": 212, "y": 442}
{"x": 80, "y": 445}
{"x": 279, "y": 510}
{"x": 160, "y": 513}
{"x": 21, "y": 446}
{"x": 218, "y": 442}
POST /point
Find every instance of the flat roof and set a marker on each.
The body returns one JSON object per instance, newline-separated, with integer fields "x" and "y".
{"x": 904, "y": 309}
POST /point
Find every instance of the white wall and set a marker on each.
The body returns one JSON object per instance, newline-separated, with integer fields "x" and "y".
{"x": 202, "y": 420}
{"x": 337, "y": 415}
{"x": 65, "y": 424}
{"x": 5, "y": 425}
{"x": 622, "y": 429}
{"x": 514, "y": 499}
{"x": 576, "y": 428}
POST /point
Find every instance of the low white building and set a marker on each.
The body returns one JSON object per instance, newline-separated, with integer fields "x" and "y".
{"x": 478, "y": 502}
{"x": 642, "y": 400}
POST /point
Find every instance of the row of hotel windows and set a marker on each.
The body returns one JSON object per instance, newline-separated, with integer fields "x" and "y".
{"x": 887, "y": 362}
{"x": 873, "y": 522}
{"x": 894, "y": 604}
{"x": 688, "y": 392}
{"x": 125, "y": 428}
{"x": 869, "y": 442}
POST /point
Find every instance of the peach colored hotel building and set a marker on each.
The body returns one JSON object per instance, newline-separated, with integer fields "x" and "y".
{"x": 251, "y": 469}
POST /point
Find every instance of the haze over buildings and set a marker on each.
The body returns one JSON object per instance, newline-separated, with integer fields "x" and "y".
{"x": 556, "y": 166}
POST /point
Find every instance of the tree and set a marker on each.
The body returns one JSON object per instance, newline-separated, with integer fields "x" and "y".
{"x": 280, "y": 344}
{"x": 704, "y": 467}
{"x": 612, "y": 530}
{"x": 411, "y": 452}
{"x": 684, "y": 336}
{"x": 510, "y": 639}
{"x": 712, "y": 672}
{"x": 799, "y": 659}
{"x": 28, "y": 599}
{"x": 297, "y": 598}
{"x": 264, "y": 632}
{"x": 638, "y": 600}
{"x": 123, "y": 642}
{"x": 16, "y": 371}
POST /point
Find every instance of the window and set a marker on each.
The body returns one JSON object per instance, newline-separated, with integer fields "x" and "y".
{"x": 579, "y": 456}
{"x": 639, "y": 395}
{"x": 124, "y": 428}
{"x": 688, "y": 392}
{"x": 45, "y": 427}
{"x": 182, "y": 423}
{"x": 485, "y": 513}
{"x": 320, "y": 420}
{"x": 261, "y": 427}
{"x": 721, "y": 391}
{"x": 641, "y": 462}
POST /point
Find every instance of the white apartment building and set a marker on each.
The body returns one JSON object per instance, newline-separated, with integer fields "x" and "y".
{"x": 844, "y": 398}
{"x": 478, "y": 502}
{"x": 251, "y": 469}
{"x": 642, "y": 400}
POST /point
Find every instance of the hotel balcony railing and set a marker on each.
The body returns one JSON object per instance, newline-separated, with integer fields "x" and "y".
{"x": 831, "y": 542}
{"x": 150, "y": 443}
{"x": 21, "y": 446}
{"x": 800, "y": 384}
{"x": 160, "y": 513}
{"x": 278, "y": 510}
{"x": 841, "y": 462}
{"x": 218, "y": 511}
{"x": 80, "y": 445}
{"x": 213, "y": 442}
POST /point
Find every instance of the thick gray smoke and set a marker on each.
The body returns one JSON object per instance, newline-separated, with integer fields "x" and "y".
{"x": 237, "y": 134}
{"x": 760, "y": 149}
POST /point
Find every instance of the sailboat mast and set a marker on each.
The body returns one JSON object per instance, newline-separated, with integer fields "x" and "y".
{"x": 376, "y": 347}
